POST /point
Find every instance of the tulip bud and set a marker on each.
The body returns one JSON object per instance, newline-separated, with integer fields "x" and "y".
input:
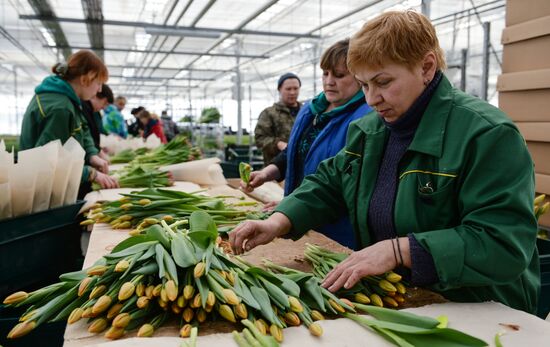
{"x": 98, "y": 325}
{"x": 16, "y": 298}
{"x": 163, "y": 295}
{"x": 126, "y": 206}
{"x": 387, "y": 286}
{"x": 114, "y": 310}
{"x": 390, "y": 301}
{"x": 28, "y": 316}
{"x": 142, "y": 302}
{"x": 201, "y": 315}
{"x": 157, "y": 290}
{"x": 98, "y": 291}
{"x": 134, "y": 232}
{"x": 114, "y": 333}
{"x": 347, "y": 302}
{"x": 84, "y": 284}
{"x": 122, "y": 320}
{"x": 21, "y": 329}
{"x": 315, "y": 329}
{"x": 181, "y": 301}
{"x": 361, "y": 298}
{"x": 104, "y": 219}
{"x": 146, "y": 330}
{"x": 144, "y": 202}
{"x": 188, "y": 292}
{"x": 241, "y": 311}
{"x": 230, "y": 278}
{"x": 539, "y": 199}
{"x": 96, "y": 270}
{"x": 149, "y": 291}
{"x": 197, "y": 302}
{"x": 126, "y": 217}
{"x": 393, "y": 277}
{"x": 276, "y": 332}
{"x": 188, "y": 314}
{"x": 75, "y": 315}
{"x": 123, "y": 225}
{"x": 122, "y": 265}
{"x": 291, "y": 318}
{"x": 126, "y": 291}
{"x": 171, "y": 290}
{"x": 102, "y": 304}
{"x": 175, "y": 308}
{"x": 88, "y": 313}
{"x": 163, "y": 304}
{"x": 210, "y": 299}
{"x": 401, "y": 289}
{"x": 376, "y": 300}
{"x": 185, "y": 330}
{"x": 226, "y": 312}
{"x": 87, "y": 222}
{"x": 168, "y": 218}
{"x": 261, "y": 325}
{"x": 151, "y": 221}
{"x": 140, "y": 289}
{"x": 199, "y": 269}
{"x": 399, "y": 298}
{"x": 316, "y": 315}
{"x": 295, "y": 304}
{"x": 336, "y": 306}
{"x": 230, "y": 297}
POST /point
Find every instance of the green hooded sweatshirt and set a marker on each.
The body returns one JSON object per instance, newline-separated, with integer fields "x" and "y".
{"x": 55, "y": 113}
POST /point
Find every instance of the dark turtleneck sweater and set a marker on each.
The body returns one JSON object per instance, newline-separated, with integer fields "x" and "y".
{"x": 381, "y": 208}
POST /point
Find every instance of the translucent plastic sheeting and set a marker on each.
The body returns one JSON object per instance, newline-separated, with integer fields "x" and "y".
{"x": 77, "y": 154}
{"x": 43, "y": 161}
{"x": 204, "y": 171}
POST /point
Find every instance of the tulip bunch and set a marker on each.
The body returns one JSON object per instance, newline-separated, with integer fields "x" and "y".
{"x": 170, "y": 273}
{"x": 127, "y": 155}
{"x": 147, "y": 207}
{"x": 141, "y": 176}
{"x": 178, "y": 150}
{"x": 384, "y": 290}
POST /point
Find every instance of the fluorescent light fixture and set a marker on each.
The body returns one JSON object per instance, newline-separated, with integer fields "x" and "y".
{"x": 182, "y": 32}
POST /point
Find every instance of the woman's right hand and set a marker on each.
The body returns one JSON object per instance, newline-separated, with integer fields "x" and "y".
{"x": 252, "y": 233}
{"x": 257, "y": 178}
{"x": 105, "y": 181}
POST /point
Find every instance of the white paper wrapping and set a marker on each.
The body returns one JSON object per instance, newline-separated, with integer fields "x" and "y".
{"x": 22, "y": 182}
{"x": 77, "y": 154}
{"x": 152, "y": 141}
{"x": 61, "y": 178}
{"x": 42, "y": 160}
{"x": 205, "y": 171}
{"x": 6, "y": 161}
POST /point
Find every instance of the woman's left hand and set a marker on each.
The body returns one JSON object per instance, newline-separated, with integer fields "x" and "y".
{"x": 373, "y": 260}
{"x": 100, "y": 164}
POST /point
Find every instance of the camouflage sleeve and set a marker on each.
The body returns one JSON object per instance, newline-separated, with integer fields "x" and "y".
{"x": 264, "y": 136}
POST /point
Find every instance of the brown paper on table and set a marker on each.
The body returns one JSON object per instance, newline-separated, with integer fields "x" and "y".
{"x": 77, "y": 155}
{"x": 203, "y": 171}
{"x": 43, "y": 161}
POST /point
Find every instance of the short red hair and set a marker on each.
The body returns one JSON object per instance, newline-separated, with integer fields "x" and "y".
{"x": 400, "y": 37}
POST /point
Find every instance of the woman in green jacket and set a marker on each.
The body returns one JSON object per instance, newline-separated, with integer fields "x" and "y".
{"x": 439, "y": 186}
{"x": 55, "y": 111}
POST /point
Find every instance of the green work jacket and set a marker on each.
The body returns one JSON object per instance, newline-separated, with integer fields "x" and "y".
{"x": 465, "y": 190}
{"x": 55, "y": 113}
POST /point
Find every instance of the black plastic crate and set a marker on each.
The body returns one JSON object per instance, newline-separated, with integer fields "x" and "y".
{"x": 35, "y": 249}
{"x": 231, "y": 168}
{"x": 544, "y": 299}
{"x": 45, "y": 335}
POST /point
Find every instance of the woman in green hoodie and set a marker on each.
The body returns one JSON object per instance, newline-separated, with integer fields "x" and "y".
{"x": 55, "y": 111}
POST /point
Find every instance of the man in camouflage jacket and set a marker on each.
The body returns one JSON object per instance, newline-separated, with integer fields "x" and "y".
{"x": 275, "y": 122}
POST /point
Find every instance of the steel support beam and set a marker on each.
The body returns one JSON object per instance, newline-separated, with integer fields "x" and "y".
{"x": 49, "y": 18}
{"x": 93, "y": 12}
{"x": 43, "y": 9}
{"x": 164, "y": 68}
{"x": 463, "y": 66}
{"x": 485, "y": 62}
{"x": 112, "y": 49}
